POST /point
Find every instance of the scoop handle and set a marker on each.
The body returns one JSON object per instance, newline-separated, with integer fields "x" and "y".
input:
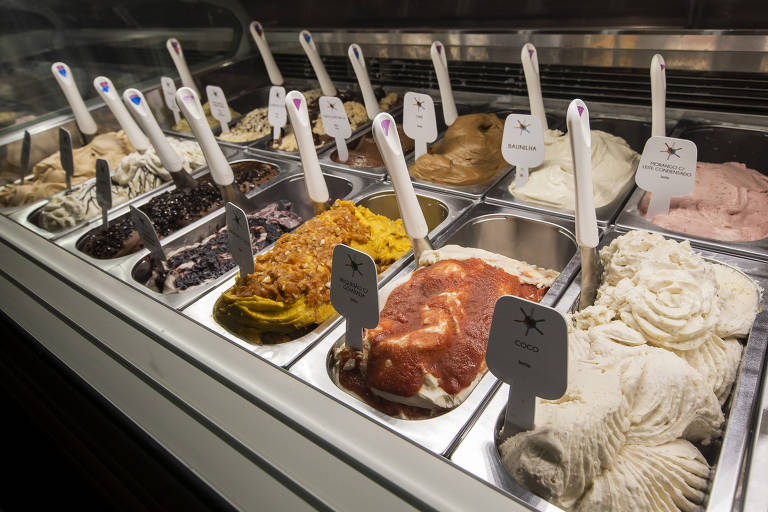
{"x": 106, "y": 90}
{"x": 440, "y": 63}
{"x": 387, "y": 139}
{"x": 658, "y": 96}
{"x": 177, "y": 55}
{"x": 296, "y": 105}
{"x": 577, "y": 120}
{"x": 136, "y": 102}
{"x": 361, "y": 72}
{"x": 257, "y": 33}
{"x": 83, "y": 118}
{"x": 308, "y": 43}
{"x": 530, "y": 60}
{"x": 189, "y": 104}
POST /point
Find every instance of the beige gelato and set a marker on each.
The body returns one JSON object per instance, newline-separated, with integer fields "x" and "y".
{"x": 136, "y": 174}
{"x": 552, "y": 183}
{"x": 648, "y": 373}
{"x": 48, "y": 177}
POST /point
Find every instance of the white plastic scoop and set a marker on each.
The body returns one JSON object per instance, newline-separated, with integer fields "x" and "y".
{"x": 83, "y": 118}
{"x": 136, "y": 102}
{"x": 177, "y": 55}
{"x": 577, "y": 120}
{"x": 296, "y": 104}
{"x": 658, "y": 96}
{"x": 388, "y": 142}
{"x": 306, "y": 41}
{"x": 440, "y": 62}
{"x": 257, "y": 33}
{"x": 361, "y": 72}
{"x": 221, "y": 172}
{"x": 530, "y": 60}
{"x": 106, "y": 90}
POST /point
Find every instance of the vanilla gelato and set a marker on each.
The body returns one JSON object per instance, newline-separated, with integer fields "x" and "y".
{"x": 552, "y": 183}
{"x": 650, "y": 365}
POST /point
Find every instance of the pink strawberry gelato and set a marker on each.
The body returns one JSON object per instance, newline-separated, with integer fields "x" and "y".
{"x": 729, "y": 202}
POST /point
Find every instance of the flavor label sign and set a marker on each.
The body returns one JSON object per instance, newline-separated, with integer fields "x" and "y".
{"x": 335, "y": 120}
{"x": 147, "y": 234}
{"x": 239, "y": 237}
{"x": 219, "y": 106}
{"x": 169, "y": 93}
{"x": 65, "y": 154}
{"x": 419, "y": 120}
{"x": 277, "y": 115}
{"x": 354, "y": 292}
{"x": 522, "y": 144}
{"x": 103, "y": 190}
{"x": 527, "y": 349}
{"x": 667, "y": 169}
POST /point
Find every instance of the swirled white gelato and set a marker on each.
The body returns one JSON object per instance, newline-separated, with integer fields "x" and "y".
{"x": 136, "y": 174}
{"x": 659, "y": 353}
{"x": 552, "y": 184}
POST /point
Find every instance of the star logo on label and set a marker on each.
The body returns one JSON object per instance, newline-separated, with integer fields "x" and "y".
{"x": 523, "y": 127}
{"x": 419, "y": 105}
{"x": 355, "y": 266}
{"x": 671, "y": 151}
{"x": 530, "y": 322}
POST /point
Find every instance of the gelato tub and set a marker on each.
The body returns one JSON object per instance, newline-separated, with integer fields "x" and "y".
{"x": 726, "y": 209}
{"x": 479, "y": 453}
{"x": 634, "y": 132}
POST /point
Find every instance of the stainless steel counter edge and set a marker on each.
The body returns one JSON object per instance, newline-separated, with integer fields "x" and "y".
{"x": 251, "y": 412}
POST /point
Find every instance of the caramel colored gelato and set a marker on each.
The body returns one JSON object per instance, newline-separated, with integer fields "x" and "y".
{"x": 469, "y": 152}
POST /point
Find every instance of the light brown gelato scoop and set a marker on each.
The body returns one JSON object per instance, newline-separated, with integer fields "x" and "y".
{"x": 469, "y": 153}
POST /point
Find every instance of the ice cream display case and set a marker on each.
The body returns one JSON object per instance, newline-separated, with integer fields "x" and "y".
{"x": 291, "y": 418}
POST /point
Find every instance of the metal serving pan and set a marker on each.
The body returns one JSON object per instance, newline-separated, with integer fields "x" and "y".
{"x": 478, "y": 453}
{"x": 718, "y": 143}
{"x": 29, "y": 215}
{"x": 439, "y": 212}
{"x": 71, "y": 241}
{"x": 291, "y": 188}
{"x": 634, "y": 130}
{"x": 537, "y": 239}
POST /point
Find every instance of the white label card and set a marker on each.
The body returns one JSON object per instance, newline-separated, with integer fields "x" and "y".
{"x": 527, "y": 349}
{"x": 239, "y": 236}
{"x": 667, "y": 169}
{"x": 354, "y": 292}
{"x": 148, "y": 234}
{"x": 335, "y": 120}
{"x": 277, "y": 115}
{"x": 219, "y": 106}
{"x": 419, "y": 120}
{"x": 169, "y": 93}
{"x": 522, "y": 144}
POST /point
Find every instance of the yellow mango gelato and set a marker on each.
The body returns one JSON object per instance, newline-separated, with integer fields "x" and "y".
{"x": 289, "y": 292}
